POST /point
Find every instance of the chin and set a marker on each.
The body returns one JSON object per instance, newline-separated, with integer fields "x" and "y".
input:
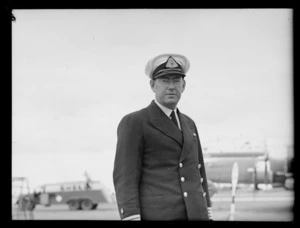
{"x": 172, "y": 100}
{"x": 171, "y": 103}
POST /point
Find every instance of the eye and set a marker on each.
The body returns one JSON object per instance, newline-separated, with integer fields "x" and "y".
{"x": 165, "y": 80}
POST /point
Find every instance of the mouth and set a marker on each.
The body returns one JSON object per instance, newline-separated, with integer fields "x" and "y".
{"x": 171, "y": 96}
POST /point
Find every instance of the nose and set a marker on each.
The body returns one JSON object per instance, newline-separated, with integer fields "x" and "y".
{"x": 171, "y": 85}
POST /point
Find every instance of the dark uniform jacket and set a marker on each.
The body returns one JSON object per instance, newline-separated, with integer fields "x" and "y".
{"x": 159, "y": 171}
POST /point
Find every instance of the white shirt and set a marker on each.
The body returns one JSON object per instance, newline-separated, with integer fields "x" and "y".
{"x": 168, "y": 112}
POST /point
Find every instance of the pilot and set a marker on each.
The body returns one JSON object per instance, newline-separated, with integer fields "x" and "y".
{"x": 159, "y": 171}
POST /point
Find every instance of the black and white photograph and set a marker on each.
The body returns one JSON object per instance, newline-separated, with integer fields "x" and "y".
{"x": 153, "y": 114}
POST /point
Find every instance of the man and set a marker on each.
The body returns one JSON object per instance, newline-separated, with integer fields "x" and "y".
{"x": 159, "y": 172}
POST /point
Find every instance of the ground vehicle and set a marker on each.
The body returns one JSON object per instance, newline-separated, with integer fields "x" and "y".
{"x": 78, "y": 195}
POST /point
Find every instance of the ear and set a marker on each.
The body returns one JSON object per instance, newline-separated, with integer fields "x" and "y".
{"x": 152, "y": 85}
{"x": 183, "y": 85}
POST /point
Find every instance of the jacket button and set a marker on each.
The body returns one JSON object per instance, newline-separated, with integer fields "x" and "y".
{"x": 185, "y": 194}
{"x": 122, "y": 211}
{"x": 199, "y": 166}
{"x": 201, "y": 179}
{"x": 204, "y": 194}
{"x": 194, "y": 134}
{"x": 182, "y": 179}
{"x": 180, "y": 165}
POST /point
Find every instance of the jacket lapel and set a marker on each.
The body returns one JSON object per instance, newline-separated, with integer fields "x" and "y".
{"x": 160, "y": 121}
{"x": 188, "y": 135}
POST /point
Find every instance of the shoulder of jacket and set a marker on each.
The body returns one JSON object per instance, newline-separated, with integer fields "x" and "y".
{"x": 135, "y": 116}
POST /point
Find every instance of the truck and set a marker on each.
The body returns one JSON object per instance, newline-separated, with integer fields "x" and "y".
{"x": 78, "y": 195}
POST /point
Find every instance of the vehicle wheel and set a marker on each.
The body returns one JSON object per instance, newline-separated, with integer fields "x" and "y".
{"x": 74, "y": 205}
{"x": 86, "y": 204}
{"x": 289, "y": 183}
{"x": 94, "y": 206}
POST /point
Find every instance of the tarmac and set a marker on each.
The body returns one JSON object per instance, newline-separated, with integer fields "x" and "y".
{"x": 269, "y": 205}
{"x": 254, "y": 205}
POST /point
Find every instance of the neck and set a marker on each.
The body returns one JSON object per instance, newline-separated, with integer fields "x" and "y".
{"x": 172, "y": 107}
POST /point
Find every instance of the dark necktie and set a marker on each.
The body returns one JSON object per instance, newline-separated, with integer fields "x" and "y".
{"x": 173, "y": 117}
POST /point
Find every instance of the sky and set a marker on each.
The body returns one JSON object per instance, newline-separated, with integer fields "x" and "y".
{"x": 76, "y": 73}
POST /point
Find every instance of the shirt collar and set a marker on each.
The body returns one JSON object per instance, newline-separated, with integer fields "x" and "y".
{"x": 166, "y": 110}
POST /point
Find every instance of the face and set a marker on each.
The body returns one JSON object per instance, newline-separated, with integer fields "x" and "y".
{"x": 168, "y": 89}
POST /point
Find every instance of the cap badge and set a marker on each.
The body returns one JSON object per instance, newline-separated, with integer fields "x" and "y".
{"x": 171, "y": 63}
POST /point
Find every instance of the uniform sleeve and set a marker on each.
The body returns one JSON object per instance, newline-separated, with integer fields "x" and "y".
{"x": 202, "y": 171}
{"x": 127, "y": 166}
